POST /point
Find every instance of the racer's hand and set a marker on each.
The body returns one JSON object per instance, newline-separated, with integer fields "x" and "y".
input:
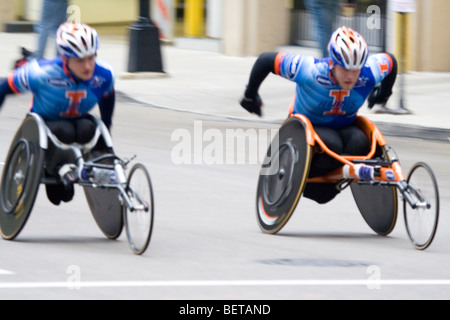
{"x": 4, "y": 90}
{"x": 2, "y": 99}
{"x": 376, "y": 97}
{"x": 252, "y": 105}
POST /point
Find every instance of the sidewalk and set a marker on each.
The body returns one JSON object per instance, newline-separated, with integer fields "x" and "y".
{"x": 212, "y": 83}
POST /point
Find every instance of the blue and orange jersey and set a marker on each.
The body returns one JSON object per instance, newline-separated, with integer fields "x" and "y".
{"x": 319, "y": 97}
{"x": 56, "y": 94}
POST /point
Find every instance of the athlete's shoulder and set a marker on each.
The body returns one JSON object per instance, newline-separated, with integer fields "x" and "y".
{"x": 104, "y": 68}
{"x": 380, "y": 64}
{"x": 34, "y": 73}
{"x": 290, "y": 65}
{"x": 103, "y": 78}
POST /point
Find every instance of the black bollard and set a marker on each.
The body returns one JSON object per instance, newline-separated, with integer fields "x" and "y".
{"x": 145, "y": 46}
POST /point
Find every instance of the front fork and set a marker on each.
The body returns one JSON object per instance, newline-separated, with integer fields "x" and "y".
{"x": 413, "y": 196}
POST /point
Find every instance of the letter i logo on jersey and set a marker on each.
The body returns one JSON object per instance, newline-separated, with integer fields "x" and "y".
{"x": 338, "y": 100}
{"x": 75, "y": 98}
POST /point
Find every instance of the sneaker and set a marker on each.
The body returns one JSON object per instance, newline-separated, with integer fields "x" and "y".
{"x": 54, "y": 194}
{"x": 61, "y": 192}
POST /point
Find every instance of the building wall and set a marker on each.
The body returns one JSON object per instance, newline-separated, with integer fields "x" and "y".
{"x": 92, "y": 12}
{"x": 7, "y": 13}
{"x": 254, "y": 26}
{"x": 107, "y": 11}
{"x": 430, "y": 30}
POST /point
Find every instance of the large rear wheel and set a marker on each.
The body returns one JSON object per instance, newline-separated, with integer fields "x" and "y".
{"x": 21, "y": 179}
{"x": 377, "y": 204}
{"x": 283, "y": 177}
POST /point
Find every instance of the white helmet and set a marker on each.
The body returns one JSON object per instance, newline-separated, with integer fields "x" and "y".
{"x": 76, "y": 40}
{"x": 348, "y": 48}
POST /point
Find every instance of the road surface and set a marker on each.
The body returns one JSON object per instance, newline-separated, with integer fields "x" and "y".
{"x": 206, "y": 242}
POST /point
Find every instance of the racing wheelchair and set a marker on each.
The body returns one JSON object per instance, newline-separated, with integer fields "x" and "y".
{"x": 116, "y": 201}
{"x": 285, "y": 174}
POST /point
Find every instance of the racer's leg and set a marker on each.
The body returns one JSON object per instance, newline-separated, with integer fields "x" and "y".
{"x": 65, "y": 131}
{"x": 84, "y": 130}
{"x": 77, "y": 131}
{"x": 322, "y": 164}
{"x": 355, "y": 141}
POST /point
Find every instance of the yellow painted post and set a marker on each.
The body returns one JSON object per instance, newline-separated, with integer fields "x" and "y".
{"x": 402, "y": 57}
{"x": 194, "y": 18}
{"x": 403, "y": 37}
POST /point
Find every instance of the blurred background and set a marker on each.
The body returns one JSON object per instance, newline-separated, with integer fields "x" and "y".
{"x": 248, "y": 27}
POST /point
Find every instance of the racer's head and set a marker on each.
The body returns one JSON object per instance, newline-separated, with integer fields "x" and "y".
{"x": 348, "y": 52}
{"x": 78, "y": 44}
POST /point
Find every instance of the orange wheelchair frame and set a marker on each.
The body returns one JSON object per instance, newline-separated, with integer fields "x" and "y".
{"x": 377, "y": 198}
{"x": 348, "y": 170}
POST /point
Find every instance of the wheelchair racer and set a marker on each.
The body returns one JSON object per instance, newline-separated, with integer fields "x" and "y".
{"x": 65, "y": 90}
{"x": 329, "y": 92}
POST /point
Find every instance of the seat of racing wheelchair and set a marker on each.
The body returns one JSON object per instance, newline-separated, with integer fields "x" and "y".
{"x": 59, "y": 153}
{"x": 285, "y": 175}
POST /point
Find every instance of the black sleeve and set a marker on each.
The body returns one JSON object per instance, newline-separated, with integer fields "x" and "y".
{"x": 381, "y": 93}
{"x": 264, "y": 65}
{"x": 5, "y": 90}
{"x": 388, "y": 83}
{"x": 106, "y": 106}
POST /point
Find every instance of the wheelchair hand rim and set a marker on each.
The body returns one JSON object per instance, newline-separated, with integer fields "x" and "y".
{"x": 17, "y": 177}
{"x": 277, "y": 190}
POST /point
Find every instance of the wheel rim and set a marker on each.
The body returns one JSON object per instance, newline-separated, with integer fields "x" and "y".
{"x": 15, "y": 178}
{"x": 277, "y": 187}
{"x": 421, "y": 223}
{"x": 279, "y": 192}
{"x": 17, "y": 202}
{"x": 139, "y": 223}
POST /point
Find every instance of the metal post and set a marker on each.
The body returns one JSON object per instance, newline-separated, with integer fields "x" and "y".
{"x": 145, "y": 46}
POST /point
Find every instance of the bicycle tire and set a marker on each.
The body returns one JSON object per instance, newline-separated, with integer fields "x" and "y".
{"x": 139, "y": 223}
{"x": 422, "y": 220}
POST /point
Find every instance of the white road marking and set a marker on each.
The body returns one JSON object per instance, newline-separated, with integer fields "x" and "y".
{"x": 220, "y": 283}
{"x": 5, "y": 272}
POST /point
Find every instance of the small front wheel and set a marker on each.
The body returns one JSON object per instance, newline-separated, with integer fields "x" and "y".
{"x": 421, "y": 219}
{"x": 138, "y": 214}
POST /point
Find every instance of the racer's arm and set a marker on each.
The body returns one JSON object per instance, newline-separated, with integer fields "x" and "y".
{"x": 106, "y": 106}
{"x": 5, "y": 90}
{"x": 264, "y": 65}
{"x": 381, "y": 93}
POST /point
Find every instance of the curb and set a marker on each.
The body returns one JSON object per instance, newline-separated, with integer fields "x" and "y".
{"x": 388, "y": 129}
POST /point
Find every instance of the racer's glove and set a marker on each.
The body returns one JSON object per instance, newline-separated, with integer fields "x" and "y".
{"x": 26, "y": 56}
{"x": 2, "y": 99}
{"x": 252, "y": 105}
{"x": 4, "y": 91}
{"x": 377, "y": 96}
